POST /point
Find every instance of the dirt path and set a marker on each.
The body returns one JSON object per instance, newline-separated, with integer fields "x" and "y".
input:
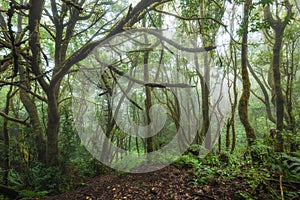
{"x": 168, "y": 183}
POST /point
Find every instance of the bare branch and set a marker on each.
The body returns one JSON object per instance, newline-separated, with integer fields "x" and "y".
{"x": 149, "y": 84}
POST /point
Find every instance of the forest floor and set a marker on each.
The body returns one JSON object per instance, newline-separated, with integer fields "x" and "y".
{"x": 171, "y": 182}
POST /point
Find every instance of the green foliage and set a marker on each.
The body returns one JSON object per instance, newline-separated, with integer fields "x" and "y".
{"x": 259, "y": 151}
{"x": 257, "y": 177}
{"x": 156, "y": 20}
{"x": 244, "y": 195}
{"x": 86, "y": 165}
{"x": 14, "y": 178}
{"x": 265, "y": 2}
{"x": 204, "y": 174}
{"x": 130, "y": 162}
{"x": 69, "y": 141}
{"x": 257, "y": 22}
{"x": 46, "y": 178}
{"x": 189, "y": 7}
{"x": 290, "y": 167}
{"x": 203, "y": 169}
{"x": 214, "y": 168}
{"x": 211, "y": 159}
{"x": 290, "y": 139}
{"x": 187, "y": 160}
{"x": 26, "y": 194}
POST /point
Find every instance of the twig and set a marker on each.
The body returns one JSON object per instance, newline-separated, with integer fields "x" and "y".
{"x": 281, "y": 188}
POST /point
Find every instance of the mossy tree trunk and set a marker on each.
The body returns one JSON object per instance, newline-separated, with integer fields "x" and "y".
{"x": 291, "y": 74}
{"x": 6, "y": 156}
{"x": 35, "y": 123}
{"x": 148, "y": 104}
{"x": 244, "y": 100}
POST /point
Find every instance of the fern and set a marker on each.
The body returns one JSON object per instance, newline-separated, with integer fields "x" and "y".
{"x": 291, "y": 165}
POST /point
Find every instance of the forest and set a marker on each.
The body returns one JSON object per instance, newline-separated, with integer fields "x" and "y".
{"x": 150, "y": 99}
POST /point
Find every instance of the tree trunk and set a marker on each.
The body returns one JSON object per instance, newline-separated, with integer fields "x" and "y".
{"x": 36, "y": 126}
{"x": 278, "y": 89}
{"x": 205, "y": 131}
{"x": 6, "y": 165}
{"x": 227, "y": 136}
{"x": 148, "y": 101}
{"x": 233, "y": 138}
{"x": 291, "y": 73}
{"x": 52, "y": 128}
{"x": 35, "y": 13}
{"x": 244, "y": 100}
{"x": 234, "y": 99}
{"x": 148, "y": 104}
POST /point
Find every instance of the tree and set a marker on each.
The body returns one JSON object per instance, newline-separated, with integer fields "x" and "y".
{"x": 278, "y": 25}
{"x": 66, "y": 27}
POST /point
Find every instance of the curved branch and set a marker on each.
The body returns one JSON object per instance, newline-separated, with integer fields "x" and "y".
{"x": 268, "y": 16}
{"x": 266, "y": 99}
{"x": 14, "y": 119}
{"x": 149, "y": 84}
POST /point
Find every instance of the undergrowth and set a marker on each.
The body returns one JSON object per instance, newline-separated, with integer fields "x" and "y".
{"x": 259, "y": 179}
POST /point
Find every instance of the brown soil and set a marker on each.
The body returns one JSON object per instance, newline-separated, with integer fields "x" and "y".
{"x": 171, "y": 182}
